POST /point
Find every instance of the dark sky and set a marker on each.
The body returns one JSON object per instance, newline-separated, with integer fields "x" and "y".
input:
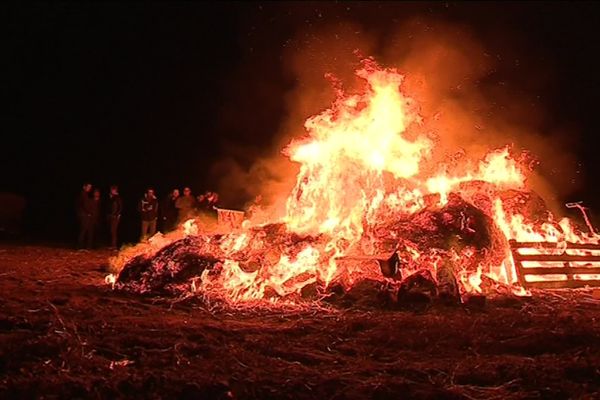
{"x": 142, "y": 93}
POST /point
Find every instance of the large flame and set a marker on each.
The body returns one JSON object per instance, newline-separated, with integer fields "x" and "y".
{"x": 361, "y": 164}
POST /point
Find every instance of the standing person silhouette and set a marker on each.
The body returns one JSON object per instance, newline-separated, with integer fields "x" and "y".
{"x": 168, "y": 211}
{"x": 148, "y": 208}
{"x": 115, "y": 208}
{"x": 185, "y": 205}
{"x": 95, "y": 216}
{"x": 84, "y": 215}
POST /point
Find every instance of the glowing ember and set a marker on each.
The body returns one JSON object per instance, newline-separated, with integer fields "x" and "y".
{"x": 110, "y": 279}
{"x": 363, "y": 189}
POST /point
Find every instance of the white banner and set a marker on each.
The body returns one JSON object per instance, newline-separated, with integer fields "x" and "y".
{"x": 231, "y": 219}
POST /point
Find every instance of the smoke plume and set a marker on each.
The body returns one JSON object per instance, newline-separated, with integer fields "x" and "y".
{"x": 468, "y": 104}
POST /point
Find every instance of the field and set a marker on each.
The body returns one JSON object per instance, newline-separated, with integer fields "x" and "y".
{"x": 65, "y": 334}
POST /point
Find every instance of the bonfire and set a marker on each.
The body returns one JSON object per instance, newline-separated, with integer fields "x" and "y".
{"x": 369, "y": 204}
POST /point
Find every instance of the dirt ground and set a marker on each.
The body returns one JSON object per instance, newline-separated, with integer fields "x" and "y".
{"x": 65, "y": 334}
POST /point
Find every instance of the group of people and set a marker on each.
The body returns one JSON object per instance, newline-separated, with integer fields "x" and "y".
{"x": 172, "y": 211}
{"x": 168, "y": 214}
{"x": 89, "y": 210}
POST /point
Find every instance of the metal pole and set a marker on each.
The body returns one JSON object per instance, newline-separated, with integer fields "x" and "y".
{"x": 585, "y": 216}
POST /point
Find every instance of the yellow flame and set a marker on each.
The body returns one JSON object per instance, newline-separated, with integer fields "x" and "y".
{"x": 360, "y": 164}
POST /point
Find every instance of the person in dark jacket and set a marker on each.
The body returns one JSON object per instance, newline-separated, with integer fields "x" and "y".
{"x": 207, "y": 203}
{"x": 84, "y": 215}
{"x": 115, "y": 208}
{"x": 95, "y": 215}
{"x": 168, "y": 211}
{"x": 148, "y": 209}
{"x": 185, "y": 205}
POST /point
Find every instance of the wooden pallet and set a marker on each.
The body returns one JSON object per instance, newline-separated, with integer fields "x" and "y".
{"x": 546, "y": 274}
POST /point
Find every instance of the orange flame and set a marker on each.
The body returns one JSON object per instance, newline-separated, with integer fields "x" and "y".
{"x": 348, "y": 156}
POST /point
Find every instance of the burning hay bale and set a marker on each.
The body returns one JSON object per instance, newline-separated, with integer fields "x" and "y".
{"x": 458, "y": 227}
{"x": 264, "y": 245}
{"x": 174, "y": 265}
{"x": 527, "y": 203}
{"x": 173, "y": 268}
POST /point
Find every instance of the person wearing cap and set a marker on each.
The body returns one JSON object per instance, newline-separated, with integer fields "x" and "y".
{"x": 148, "y": 208}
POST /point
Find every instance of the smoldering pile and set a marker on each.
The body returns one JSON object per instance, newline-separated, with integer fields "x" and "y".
{"x": 457, "y": 237}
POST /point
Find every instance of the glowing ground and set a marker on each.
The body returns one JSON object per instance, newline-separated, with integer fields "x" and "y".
{"x": 63, "y": 333}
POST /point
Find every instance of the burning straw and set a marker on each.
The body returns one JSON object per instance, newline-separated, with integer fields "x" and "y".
{"x": 367, "y": 185}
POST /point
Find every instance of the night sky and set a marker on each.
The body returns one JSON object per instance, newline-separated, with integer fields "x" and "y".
{"x": 142, "y": 94}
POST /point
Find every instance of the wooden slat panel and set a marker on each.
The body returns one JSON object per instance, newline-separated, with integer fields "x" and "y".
{"x": 552, "y": 245}
{"x": 518, "y": 265}
{"x": 570, "y": 284}
{"x": 558, "y": 270}
{"x": 520, "y": 275}
{"x": 566, "y": 259}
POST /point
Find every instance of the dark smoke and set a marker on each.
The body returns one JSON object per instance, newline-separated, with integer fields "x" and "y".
{"x": 470, "y": 102}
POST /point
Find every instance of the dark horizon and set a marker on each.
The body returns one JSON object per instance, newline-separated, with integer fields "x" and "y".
{"x": 139, "y": 94}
